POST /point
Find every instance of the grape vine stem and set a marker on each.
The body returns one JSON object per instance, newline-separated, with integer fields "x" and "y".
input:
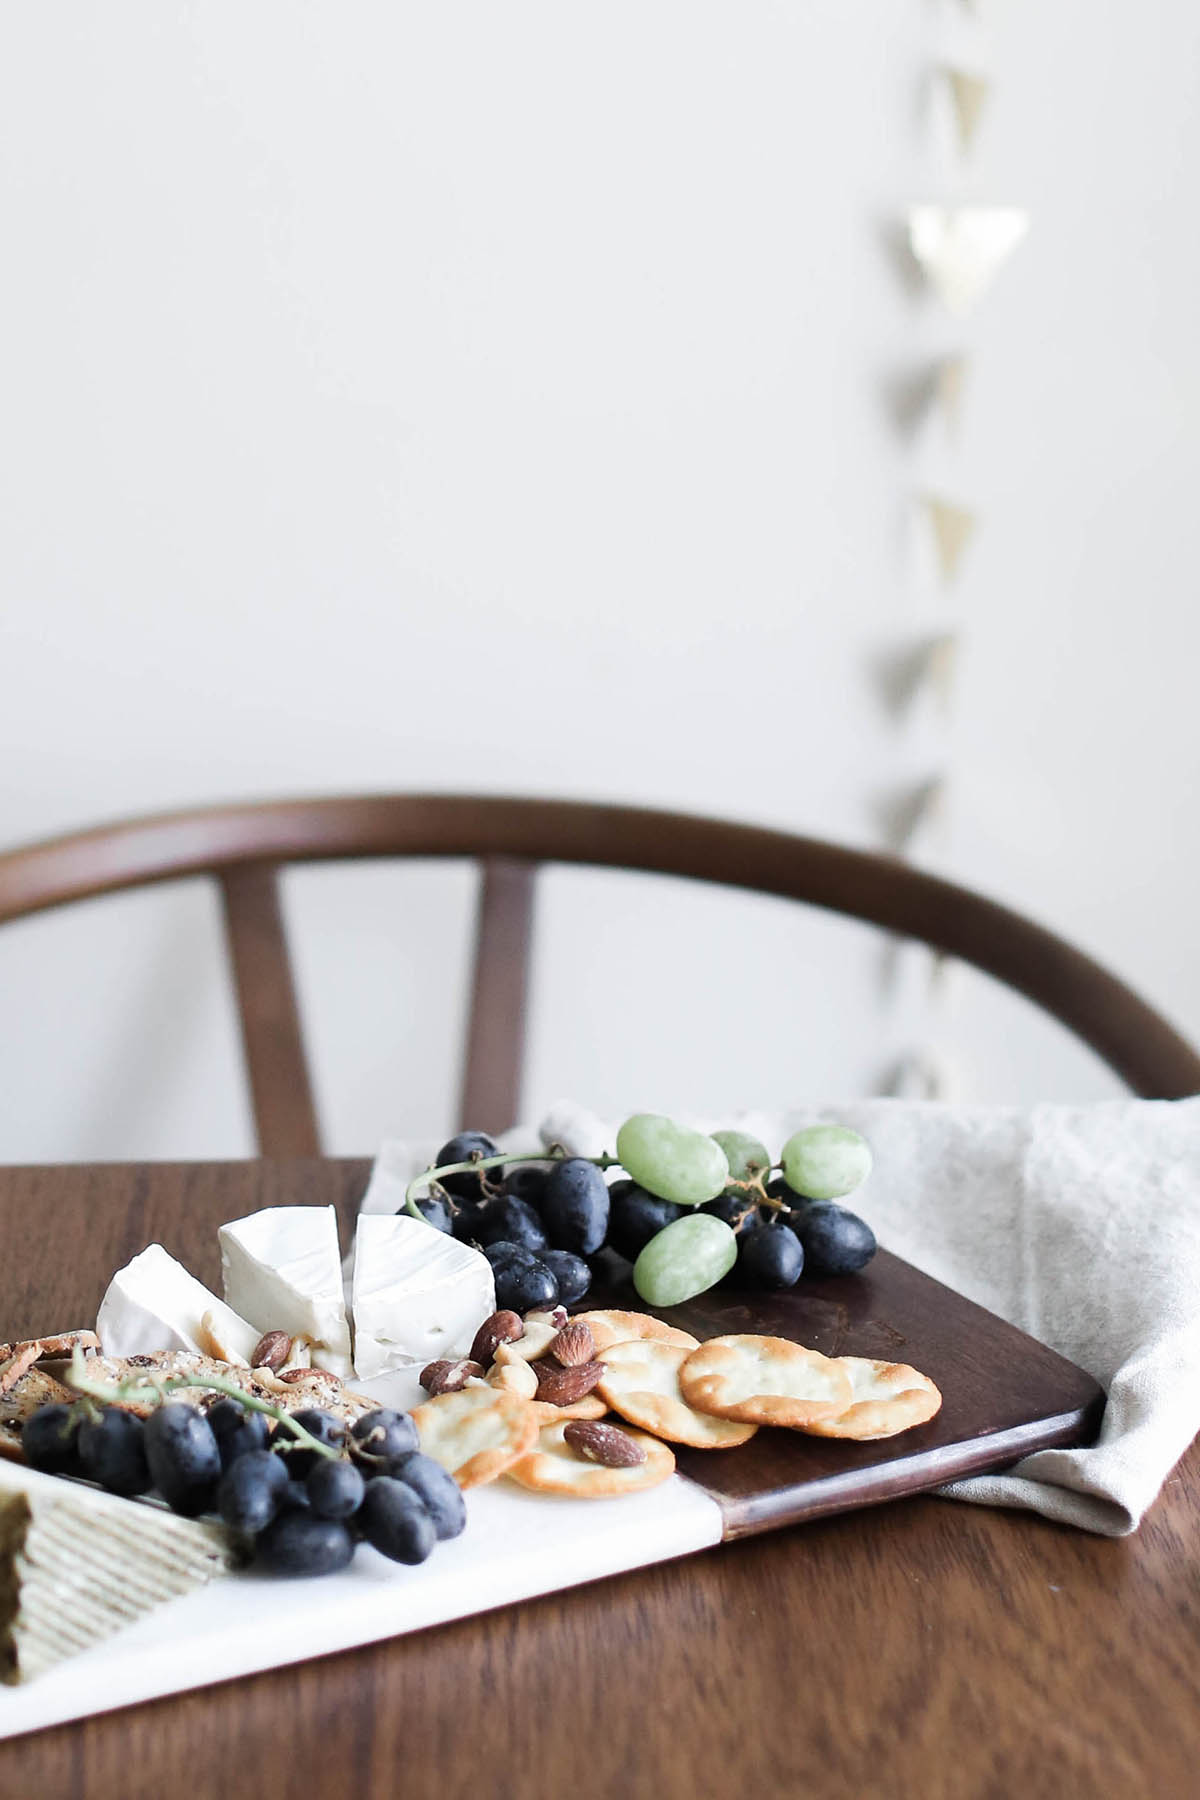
{"x": 145, "y": 1387}
{"x": 754, "y": 1189}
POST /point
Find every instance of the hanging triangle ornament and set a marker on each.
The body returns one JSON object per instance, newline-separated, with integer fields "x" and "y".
{"x": 952, "y": 527}
{"x": 949, "y": 386}
{"x": 968, "y": 96}
{"x": 961, "y": 249}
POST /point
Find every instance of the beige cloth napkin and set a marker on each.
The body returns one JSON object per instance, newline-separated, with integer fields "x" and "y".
{"x": 1080, "y": 1224}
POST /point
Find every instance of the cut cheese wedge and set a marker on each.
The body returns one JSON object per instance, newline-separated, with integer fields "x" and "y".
{"x": 154, "y": 1304}
{"x": 419, "y": 1295}
{"x": 282, "y": 1270}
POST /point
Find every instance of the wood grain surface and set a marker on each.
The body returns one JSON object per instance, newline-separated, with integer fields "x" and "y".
{"x": 923, "y": 1648}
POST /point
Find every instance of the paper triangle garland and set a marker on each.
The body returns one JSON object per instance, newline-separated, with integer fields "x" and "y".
{"x": 960, "y": 249}
{"x": 968, "y": 95}
{"x": 912, "y": 813}
{"x": 919, "y": 1074}
{"x": 952, "y": 527}
{"x": 949, "y": 386}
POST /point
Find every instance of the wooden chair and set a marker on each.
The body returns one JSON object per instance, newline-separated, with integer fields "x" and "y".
{"x": 244, "y": 847}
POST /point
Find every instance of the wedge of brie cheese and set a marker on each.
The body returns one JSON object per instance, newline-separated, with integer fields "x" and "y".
{"x": 282, "y": 1270}
{"x": 418, "y": 1294}
{"x": 154, "y": 1304}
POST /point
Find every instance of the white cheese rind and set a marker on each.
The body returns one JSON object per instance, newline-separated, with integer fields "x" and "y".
{"x": 154, "y": 1304}
{"x": 282, "y": 1270}
{"x": 418, "y": 1295}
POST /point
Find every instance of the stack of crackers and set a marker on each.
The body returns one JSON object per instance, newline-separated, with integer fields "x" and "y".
{"x": 542, "y": 1414}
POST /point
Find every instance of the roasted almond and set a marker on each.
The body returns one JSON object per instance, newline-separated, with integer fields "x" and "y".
{"x": 446, "y": 1377}
{"x": 604, "y": 1444}
{"x": 271, "y": 1351}
{"x": 574, "y": 1344}
{"x": 502, "y": 1327}
{"x": 562, "y": 1387}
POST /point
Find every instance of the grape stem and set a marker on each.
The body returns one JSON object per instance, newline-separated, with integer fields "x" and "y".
{"x": 754, "y": 1188}
{"x": 145, "y": 1387}
{"x": 480, "y": 1164}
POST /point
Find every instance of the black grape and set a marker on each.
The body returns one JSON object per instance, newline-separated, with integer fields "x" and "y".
{"x": 438, "y": 1491}
{"x": 251, "y": 1490}
{"x": 836, "y": 1241}
{"x": 464, "y": 1186}
{"x": 237, "y": 1430}
{"x": 335, "y": 1489}
{"x": 636, "y": 1216}
{"x": 298, "y": 1543}
{"x": 524, "y": 1286}
{"x": 384, "y": 1434}
{"x": 769, "y": 1257}
{"x": 526, "y": 1182}
{"x": 323, "y": 1426}
{"x": 50, "y": 1441}
{"x": 571, "y": 1273}
{"x": 512, "y": 1221}
{"x": 395, "y": 1520}
{"x": 184, "y": 1460}
{"x": 436, "y": 1212}
{"x": 575, "y": 1206}
{"x": 112, "y": 1450}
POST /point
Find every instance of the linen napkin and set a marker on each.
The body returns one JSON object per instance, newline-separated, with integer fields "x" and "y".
{"x": 1080, "y": 1224}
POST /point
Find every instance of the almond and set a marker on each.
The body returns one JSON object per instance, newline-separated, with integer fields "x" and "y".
{"x": 445, "y": 1377}
{"x": 604, "y": 1444}
{"x": 562, "y": 1387}
{"x": 574, "y": 1344}
{"x": 271, "y": 1351}
{"x": 501, "y": 1328}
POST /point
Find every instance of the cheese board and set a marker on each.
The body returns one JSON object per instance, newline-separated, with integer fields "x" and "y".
{"x": 1004, "y": 1396}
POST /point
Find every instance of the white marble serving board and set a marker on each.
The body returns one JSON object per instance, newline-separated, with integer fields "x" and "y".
{"x": 516, "y": 1545}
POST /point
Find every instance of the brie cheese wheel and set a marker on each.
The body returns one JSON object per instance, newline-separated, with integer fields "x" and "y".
{"x": 282, "y": 1270}
{"x": 154, "y": 1304}
{"x": 419, "y": 1294}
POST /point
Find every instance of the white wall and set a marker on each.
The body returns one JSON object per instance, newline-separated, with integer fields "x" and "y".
{"x": 495, "y": 398}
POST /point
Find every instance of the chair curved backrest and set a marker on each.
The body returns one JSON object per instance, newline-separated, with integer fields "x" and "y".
{"x": 244, "y": 847}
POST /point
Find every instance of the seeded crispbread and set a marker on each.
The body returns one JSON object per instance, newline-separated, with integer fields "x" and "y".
{"x": 887, "y": 1398}
{"x": 614, "y": 1327}
{"x": 553, "y": 1467}
{"x": 312, "y": 1387}
{"x": 642, "y": 1384}
{"x": 476, "y": 1433}
{"x": 34, "y": 1388}
{"x": 765, "y": 1381}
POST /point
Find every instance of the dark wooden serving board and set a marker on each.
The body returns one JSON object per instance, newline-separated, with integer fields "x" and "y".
{"x": 1003, "y": 1393}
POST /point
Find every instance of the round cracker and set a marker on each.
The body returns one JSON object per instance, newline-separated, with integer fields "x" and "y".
{"x": 613, "y": 1327}
{"x": 476, "y": 1433}
{"x": 764, "y": 1380}
{"x": 642, "y": 1384}
{"x": 553, "y": 1467}
{"x": 887, "y": 1398}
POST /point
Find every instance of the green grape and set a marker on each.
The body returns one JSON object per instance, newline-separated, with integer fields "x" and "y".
{"x": 744, "y": 1154}
{"x": 823, "y": 1162}
{"x": 684, "y": 1259}
{"x": 671, "y": 1161}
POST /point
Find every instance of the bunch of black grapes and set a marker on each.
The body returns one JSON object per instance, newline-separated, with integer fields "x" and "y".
{"x": 295, "y": 1511}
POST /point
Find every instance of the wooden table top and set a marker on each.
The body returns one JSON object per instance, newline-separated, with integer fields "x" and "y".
{"x": 922, "y": 1648}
